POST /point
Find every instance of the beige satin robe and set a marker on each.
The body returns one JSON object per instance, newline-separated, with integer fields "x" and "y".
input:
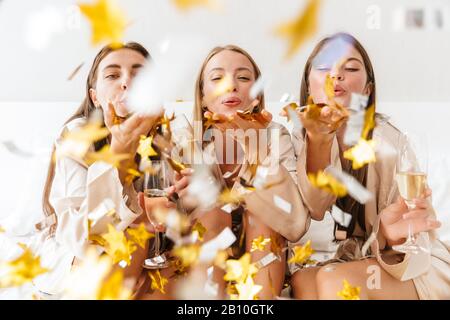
{"x": 429, "y": 272}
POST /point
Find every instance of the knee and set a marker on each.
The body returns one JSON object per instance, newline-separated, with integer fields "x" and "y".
{"x": 302, "y": 285}
{"x": 328, "y": 282}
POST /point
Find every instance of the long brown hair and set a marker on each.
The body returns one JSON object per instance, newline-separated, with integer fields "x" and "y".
{"x": 198, "y": 107}
{"x": 84, "y": 111}
{"x": 347, "y": 203}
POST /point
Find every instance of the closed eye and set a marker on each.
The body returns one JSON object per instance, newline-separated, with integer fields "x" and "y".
{"x": 112, "y": 76}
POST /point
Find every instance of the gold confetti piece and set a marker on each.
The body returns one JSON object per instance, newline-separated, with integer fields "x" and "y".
{"x": 302, "y": 254}
{"x": 259, "y": 243}
{"x": 76, "y": 143}
{"x": 329, "y": 87}
{"x": 117, "y": 246}
{"x": 89, "y": 133}
{"x": 313, "y": 111}
{"x": 328, "y": 183}
{"x": 361, "y": 154}
{"x": 239, "y": 270}
{"x": 188, "y": 254}
{"x": 275, "y": 245}
{"x": 175, "y": 165}
{"x": 231, "y": 196}
{"x": 199, "y": 229}
{"x": 21, "y": 270}
{"x": 221, "y": 258}
{"x": 185, "y": 5}
{"x": 106, "y": 155}
{"x": 246, "y": 290}
{"x": 112, "y": 288}
{"x": 131, "y": 175}
{"x": 158, "y": 281}
{"x": 223, "y": 86}
{"x": 107, "y": 21}
{"x": 145, "y": 149}
{"x": 140, "y": 235}
{"x": 349, "y": 292}
{"x": 301, "y": 28}
{"x": 97, "y": 239}
{"x": 2, "y": 230}
{"x": 369, "y": 121}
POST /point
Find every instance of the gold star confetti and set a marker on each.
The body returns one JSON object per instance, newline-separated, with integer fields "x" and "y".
{"x": 328, "y": 183}
{"x": 140, "y": 235}
{"x": 329, "y": 87}
{"x": 199, "y": 229}
{"x": 302, "y": 254}
{"x": 132, "y": 173}
{"x": 106, "y": 155}
{"x": 302, "y": 28}
{"x": 231, "y": 196}
{"x": 275, "y": 245}
{"x": 117, "y": 246}
{"x": 89, "y": 133}
{"x": 361, "y": 154}
{"x": 223, "y": 86}
{"x": 185, "y": 5}
{"x": 175, "y": 165}
{"x": 145, "y": 149}
{"x": 369, "y": 121}
{"x": 349, "y": 292}
{"x": 107, "y": 21}
{"x": 158, "y": 281}
{"x": 76, "y": 143}
{"x": 221, "y": 258}
{"x": 188, "y": 254}
{"x": 259, "y": 243}
{"x": 239, "y": 270}
{"x": 21, "y": 270}
{"x": 112, "y": 288}
{"x": 246, "y": 290}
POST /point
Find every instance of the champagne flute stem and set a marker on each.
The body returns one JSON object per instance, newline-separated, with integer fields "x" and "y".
{"x": 156, "y": 243}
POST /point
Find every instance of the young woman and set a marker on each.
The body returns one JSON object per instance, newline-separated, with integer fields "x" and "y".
{"x": 233, "y": 69}
{"x": 320, "y": 144}
{"x": 75, "y": 188}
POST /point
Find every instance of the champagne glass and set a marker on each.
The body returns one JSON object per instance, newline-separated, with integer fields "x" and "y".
{"x": 155, "y": 181}
{"x": 411, "y": 176}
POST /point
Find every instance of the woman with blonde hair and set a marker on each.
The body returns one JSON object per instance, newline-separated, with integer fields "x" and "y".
{"x": 222, "y": 101}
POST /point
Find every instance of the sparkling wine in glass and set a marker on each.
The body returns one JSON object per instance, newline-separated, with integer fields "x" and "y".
{"x": 155, "y": 181}
{"x": 411, "y": 176}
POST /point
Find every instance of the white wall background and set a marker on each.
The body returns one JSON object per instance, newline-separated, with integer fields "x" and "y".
{"x": 410, "y": 66}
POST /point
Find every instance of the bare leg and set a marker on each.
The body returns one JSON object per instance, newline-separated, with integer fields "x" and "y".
{"x": 303, "y": 283}
{"x": 272, "y": 276}
{"x": 364, "y": 273}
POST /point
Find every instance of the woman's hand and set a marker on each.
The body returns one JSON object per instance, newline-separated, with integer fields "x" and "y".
{"x": 150, "y": 205}
{"x": 320, "y": 122}
{"x": 182, "y": 180}
{"x": 241, "y": 120}
{"x": 126, "y": 135}
{"x": 395, "y": 219}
